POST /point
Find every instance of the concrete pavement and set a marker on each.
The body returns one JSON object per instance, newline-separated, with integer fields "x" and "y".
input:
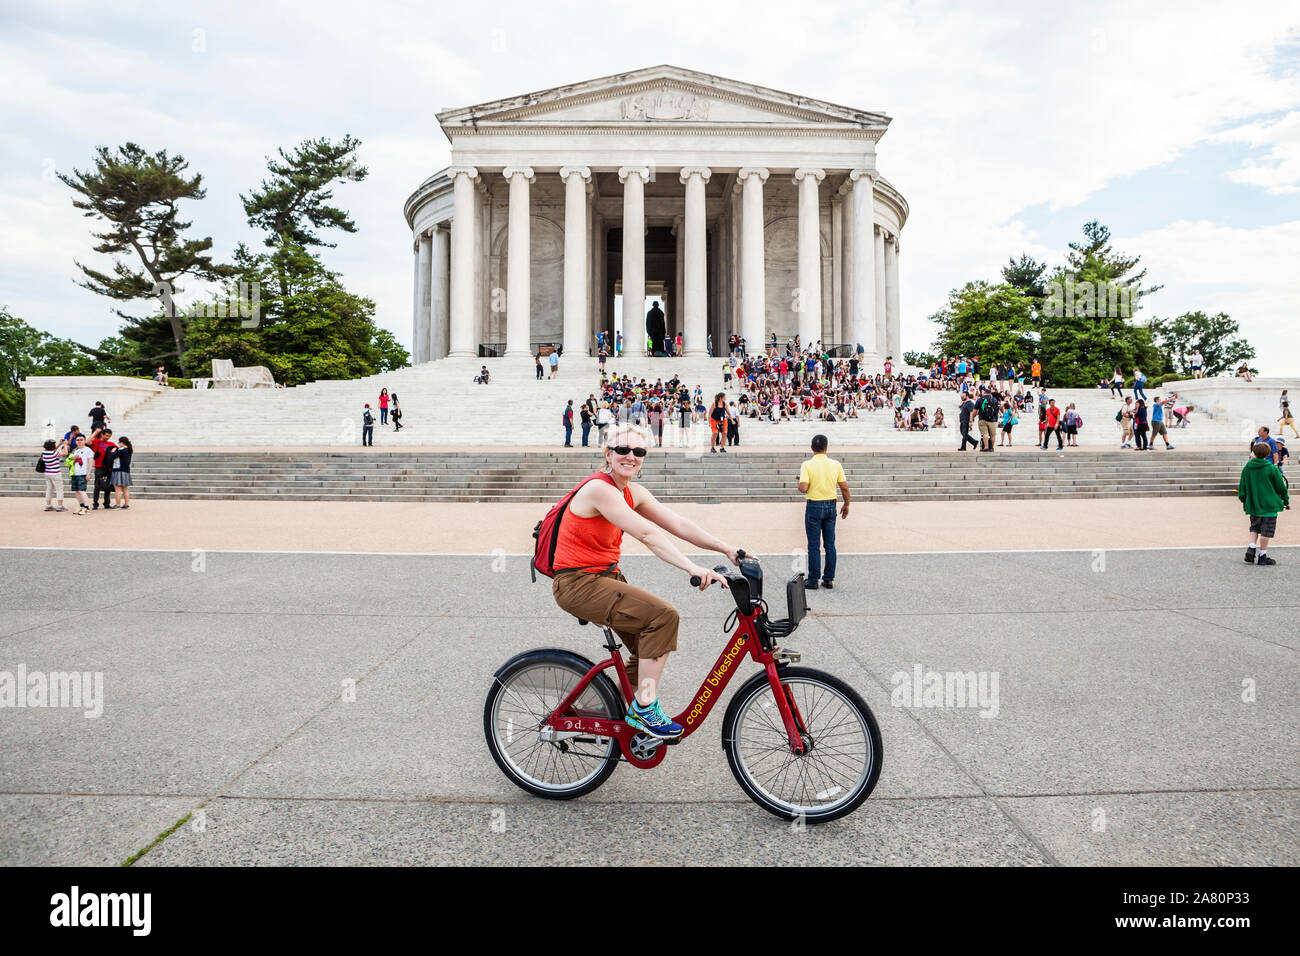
{"x": 327, "y": 708}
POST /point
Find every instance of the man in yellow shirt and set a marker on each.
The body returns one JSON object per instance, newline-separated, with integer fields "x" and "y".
{"x": 818, "y": 478}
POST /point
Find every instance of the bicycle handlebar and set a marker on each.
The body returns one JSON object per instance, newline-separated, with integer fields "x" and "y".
{"x": 696, "y": 580}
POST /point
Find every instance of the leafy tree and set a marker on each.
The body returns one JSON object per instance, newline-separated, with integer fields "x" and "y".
{"x": 295, "y": 200}
{"x": 1079, "y": 349}
{"x": 26, "y": 351}
{"x": 1095, "y": 260}
{"x": 137, "y": 195}
{"x": 920, "y": 359}
{"x": 1026, "y": 274}
{"x": 991, "y": 321}
{"x": 1213, "y": 336}
{"x": 315, "y": 330}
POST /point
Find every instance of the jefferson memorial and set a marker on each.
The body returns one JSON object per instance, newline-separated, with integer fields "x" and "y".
{"x": 742, "y": 209}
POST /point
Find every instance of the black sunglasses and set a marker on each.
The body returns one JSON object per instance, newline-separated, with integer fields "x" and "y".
{"x": 624, "y": 449}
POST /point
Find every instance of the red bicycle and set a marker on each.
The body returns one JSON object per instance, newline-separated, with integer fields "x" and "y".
{"x": 801, "y": 743}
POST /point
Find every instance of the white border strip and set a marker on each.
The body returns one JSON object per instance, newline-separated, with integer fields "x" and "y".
{"x": 526, "y": 554}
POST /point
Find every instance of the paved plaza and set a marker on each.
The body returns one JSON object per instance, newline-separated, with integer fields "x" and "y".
{"x": 327, "y": 709}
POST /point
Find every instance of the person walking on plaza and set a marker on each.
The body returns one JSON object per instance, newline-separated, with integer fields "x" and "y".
{"x": 819, "y": 477}
{"x": 1036, "y": 372}
{"x": 1286, "y": 418}
{"x": 568, "y": 424}
{"x": 1262, "y": 492}
{"x": 1158, "y": 428}
{"x": 964, "y": 412}
{"x": 53, "y": 456}
{"x": 555, "y": 364}
{"x": 102, "y": 445}
{"x": 1125, "y": 418}
{"x": 396, "y": 410}
{"x": 383, "y": 406}
{"x": 1198, "y": 364}
{"x": 1140, "y": 426}
{"x": 367, "y": 426}
{"x": 1052, "y": 425}
{"x": 733, "y": 425}
{"x": 718, "y": 424}
{"x": 988, "y": 405}
{"x": 1009, "y": 420}
{"x": 1139, "y": 384}
{"x": 585, "y": 413}
{"x": 709, "y": 345}
{"x": 83, "y": 468}
{"x": 98, "y": 416}
{"x": 538, "y": 359}
{"x": 119, "y": 473}
{"x": 1117, "y": 384}
{"x": 618, "y": 345}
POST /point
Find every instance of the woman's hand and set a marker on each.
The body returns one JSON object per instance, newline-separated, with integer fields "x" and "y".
{"x": 707, "y": 577}
{"x": 733, "y": 554}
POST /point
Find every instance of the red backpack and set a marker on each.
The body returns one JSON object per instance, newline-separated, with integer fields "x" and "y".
{"x": 547, "y": 531}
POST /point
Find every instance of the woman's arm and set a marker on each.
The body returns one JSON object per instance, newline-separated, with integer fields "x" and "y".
{"x": 606, "y": 500}
{"x": 648, "y": 506}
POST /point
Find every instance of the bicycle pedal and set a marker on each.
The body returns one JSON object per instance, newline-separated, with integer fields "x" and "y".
{"x": 782, "y": 655}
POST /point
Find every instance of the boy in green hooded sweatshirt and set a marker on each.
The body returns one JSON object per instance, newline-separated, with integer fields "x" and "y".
{"x": 1263, "y": 493}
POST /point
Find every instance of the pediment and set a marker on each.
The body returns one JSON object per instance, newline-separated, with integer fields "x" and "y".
{"x": 660, "y": 96}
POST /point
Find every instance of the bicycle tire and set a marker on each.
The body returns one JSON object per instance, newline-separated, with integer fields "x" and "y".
{"x": 817, "y": 769}
{"x": 526, "y": 763}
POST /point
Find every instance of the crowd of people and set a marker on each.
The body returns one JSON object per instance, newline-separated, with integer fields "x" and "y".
{"x": 94, "y": 463}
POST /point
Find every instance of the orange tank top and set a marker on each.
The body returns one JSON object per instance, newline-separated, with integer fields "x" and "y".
{"x": 589, "y": 544}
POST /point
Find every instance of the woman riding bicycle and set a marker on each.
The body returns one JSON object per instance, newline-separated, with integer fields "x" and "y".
{"x": 589, "y": 585}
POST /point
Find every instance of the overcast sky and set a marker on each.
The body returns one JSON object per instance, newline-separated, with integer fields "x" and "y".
{"x": 1177, "y": 125}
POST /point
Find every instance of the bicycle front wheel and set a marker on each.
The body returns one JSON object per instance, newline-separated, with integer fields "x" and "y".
{"x": 843, "y": 752}
{"x": 524, "y": 693}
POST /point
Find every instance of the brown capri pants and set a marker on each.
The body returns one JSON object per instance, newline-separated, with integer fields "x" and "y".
{"x": 646, "y": 624}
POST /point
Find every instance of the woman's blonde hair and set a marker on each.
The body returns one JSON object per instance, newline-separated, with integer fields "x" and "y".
{"x": 640, "y": 435}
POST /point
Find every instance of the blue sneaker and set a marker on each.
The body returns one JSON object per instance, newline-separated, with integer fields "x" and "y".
{"x": 652, "y": 720}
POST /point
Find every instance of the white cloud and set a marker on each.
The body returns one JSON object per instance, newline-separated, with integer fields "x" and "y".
{"x": 1248, "y": 273}
{"x": 1278, "y": 170}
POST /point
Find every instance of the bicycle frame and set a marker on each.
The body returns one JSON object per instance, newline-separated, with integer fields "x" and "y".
{"x": 565, "y": 721}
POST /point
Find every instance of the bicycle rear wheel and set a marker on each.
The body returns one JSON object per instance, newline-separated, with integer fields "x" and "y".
{"x": 843, "y": 755}
{"x": 524, "y": 692}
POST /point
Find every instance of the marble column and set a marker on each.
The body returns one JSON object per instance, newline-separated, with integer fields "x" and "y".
{"x": 415, "y": 303}
{"x": 439, "y": 292}
{"x": 864, "y": 264}
{"x": 881, "y": 344}
{"x": 420, "y": 346}
{"x": 575, "y": 180}
{"x": 845, "y": 193}
{"x": 808, "y": 300}
{"x": 634, "y": 179}
{"x": 677, "y": 308}
{"x": 463, "y": 229}
{"x": 696, "y": 261}
{"x": 893, "y": 321}
{"x": 837, "y": 271}
{"x": 753, "y": 319}
{"x": 519, "y": 273}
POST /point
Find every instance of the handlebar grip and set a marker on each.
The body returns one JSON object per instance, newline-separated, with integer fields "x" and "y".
{"x": 695, "y": 580}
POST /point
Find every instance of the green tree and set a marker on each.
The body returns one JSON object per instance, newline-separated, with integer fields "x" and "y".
{"x": 1026, "y": 274}
{"x": 315, "y": 330}
{"x": 1095, "y": 260}
{"x": 994, "y": 322}
{"x": 295, "y": 200}
{"x": 1214, "y": 336}
{"x": 26, "y": 351}
{"x": 137, "y": 195}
